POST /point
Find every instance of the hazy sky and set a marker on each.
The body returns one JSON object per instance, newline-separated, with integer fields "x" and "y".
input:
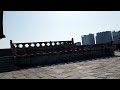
{"x": 31, "y": 26}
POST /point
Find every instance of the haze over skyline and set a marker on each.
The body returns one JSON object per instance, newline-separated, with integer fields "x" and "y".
{"x": 38, "y": 26}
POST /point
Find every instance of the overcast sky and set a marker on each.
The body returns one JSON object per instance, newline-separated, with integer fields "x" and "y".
{"x": 32, "y": 26}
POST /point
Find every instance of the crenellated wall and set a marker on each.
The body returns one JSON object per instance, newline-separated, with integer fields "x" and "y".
{"x": 62, "y": 51}
{"x": 40, "y": 44}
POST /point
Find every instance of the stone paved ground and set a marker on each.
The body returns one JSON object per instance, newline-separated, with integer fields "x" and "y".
{"x": 108, "y": 68}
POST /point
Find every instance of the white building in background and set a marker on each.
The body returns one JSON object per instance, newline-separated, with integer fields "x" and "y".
{"x": 88, "y": 39}
{"x": 116, "y": 35}
{"x": 103, "y": 37}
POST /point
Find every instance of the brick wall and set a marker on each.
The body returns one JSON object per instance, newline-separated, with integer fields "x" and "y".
{"x": 5, "y": 52}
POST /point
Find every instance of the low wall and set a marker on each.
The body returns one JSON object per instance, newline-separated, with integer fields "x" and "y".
{"x": 6, "y": 60}
{"x": 59, "y": 58}
{"x": 36, "y": 56}
{"x": 5, "y": 52}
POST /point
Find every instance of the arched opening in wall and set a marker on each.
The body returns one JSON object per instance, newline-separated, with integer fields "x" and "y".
{"x": 43, "y": 44}
{"x": 37, "y": 44}
{"x": 32, "y": 45}
{"x": 15, "y": 45}
{"x": 48, "y": 44}
{"x": 57, "y": 43}
{"x": 53, "y": 44}
{"x": 61, "y": 43}
{"x": 26, "y": 45}
{"x": 20, "y": 45}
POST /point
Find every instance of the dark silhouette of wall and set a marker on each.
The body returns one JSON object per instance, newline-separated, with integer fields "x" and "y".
{"x": 62, "y": 51}
{"x": 6, "y": 60}
{"x": 1, "y": 25}
{"x": 5, "y": 52}
{"x": 19, "y": 56}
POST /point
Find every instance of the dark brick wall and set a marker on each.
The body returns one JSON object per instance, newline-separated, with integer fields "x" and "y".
{"x": 5, "y": 52}
{"x": 7, "y": 63}
{"x": 60, "y": 58}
